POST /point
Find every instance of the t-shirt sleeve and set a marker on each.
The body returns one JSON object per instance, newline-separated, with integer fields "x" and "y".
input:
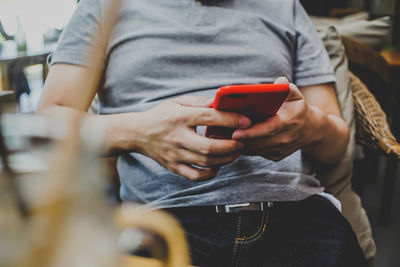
{"x": 78, "y": 40}
{"x": 312, "y": 64}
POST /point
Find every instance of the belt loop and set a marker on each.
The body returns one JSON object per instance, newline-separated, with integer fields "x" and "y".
{"x": 217, "y": 209}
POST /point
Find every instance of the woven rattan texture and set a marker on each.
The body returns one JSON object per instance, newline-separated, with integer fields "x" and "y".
{"x": 372, "y": 127}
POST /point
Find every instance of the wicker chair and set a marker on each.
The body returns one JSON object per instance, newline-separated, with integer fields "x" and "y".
{"x": 371, "y": 122}
{"x": 372, "y": 94}
{"x": 371, "y": 68}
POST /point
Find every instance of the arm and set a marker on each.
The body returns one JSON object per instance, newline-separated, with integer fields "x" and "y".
{"x": 309, "y": 119}
{"x": 330, "y": 130}
{"x": 165, "y": 133}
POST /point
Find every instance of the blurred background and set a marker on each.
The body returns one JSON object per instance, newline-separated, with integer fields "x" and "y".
{"x": 29, "y": 30}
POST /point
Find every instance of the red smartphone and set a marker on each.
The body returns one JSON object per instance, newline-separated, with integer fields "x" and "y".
{"x": 256, "y": 101}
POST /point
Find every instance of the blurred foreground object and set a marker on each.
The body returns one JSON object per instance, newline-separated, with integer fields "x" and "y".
{"x": 161, "y": 224}
{"x": 67, "y": 221}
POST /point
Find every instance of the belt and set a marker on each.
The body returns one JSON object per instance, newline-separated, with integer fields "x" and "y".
{"x": 253, "y": 206}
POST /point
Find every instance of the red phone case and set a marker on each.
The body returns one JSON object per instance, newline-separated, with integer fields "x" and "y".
{"x": 256, "y": 101}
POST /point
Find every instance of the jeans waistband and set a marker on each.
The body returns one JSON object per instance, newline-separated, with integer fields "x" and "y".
{"x": 252, "y": 206}
{"x": 226, "y": 208}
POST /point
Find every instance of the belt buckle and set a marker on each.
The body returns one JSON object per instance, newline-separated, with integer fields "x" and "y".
{"x": 235, "y": 208}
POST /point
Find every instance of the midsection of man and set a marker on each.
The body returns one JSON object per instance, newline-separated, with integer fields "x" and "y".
{"x": 163, "y": 49}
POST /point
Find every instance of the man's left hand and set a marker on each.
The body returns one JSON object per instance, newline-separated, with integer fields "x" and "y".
{"x": 280, "y": 135}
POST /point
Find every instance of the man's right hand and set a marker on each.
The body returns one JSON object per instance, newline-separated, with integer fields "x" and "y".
{"x": 167, "y": 133}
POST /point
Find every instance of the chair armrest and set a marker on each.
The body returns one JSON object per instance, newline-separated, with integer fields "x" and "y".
{"x": 372, "y": 128}
{"x": 363, "y": 55}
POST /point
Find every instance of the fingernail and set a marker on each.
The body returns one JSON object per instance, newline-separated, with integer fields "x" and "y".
{"x": 281, "y": 80}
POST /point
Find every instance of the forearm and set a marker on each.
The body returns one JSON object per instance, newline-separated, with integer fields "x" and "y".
{"x": 328, "y": 135}
{"x": 121, "y": 132}
{"x": 69, "y": 91}
{"x": 119, "y": 129}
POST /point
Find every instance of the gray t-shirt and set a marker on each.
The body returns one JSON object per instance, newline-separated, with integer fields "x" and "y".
{"x": 161, "y": 49}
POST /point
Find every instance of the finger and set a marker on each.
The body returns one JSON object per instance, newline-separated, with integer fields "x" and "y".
{"x": 213, "y": 117}
{"x": 208, "y": 146}
{"x": 281, "y": 80}
{"x": 195, "y": 174}
{"x": 294, "y": 94}
{"x": 269, "y": 127}
{"x": 206, "y": 161}
{"x": 194, "y": 101}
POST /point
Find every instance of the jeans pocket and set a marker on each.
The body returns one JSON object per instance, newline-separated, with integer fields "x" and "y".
{"x": 260, "y": 229}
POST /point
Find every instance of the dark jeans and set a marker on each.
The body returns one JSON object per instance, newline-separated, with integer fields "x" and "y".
{"x": 308, "y": 233}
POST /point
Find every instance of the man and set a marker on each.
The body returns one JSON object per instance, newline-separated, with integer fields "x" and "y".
{"x": 247, "y": 201}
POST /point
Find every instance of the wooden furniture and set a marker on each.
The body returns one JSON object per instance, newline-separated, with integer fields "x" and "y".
{"x": 49, "y": 217}
{"x": 379, "y": 76}
{"x": 132, "y": 261}
{"x": 11, "y": 59}
{"x": 162, "y": 224}
{"x": 392, "y": 58}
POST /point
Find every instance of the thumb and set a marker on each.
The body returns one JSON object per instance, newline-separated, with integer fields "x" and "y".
{"x": 194, "y": 101}
{"x": 281, "y": 80}
{"x": 294, "y": 94}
